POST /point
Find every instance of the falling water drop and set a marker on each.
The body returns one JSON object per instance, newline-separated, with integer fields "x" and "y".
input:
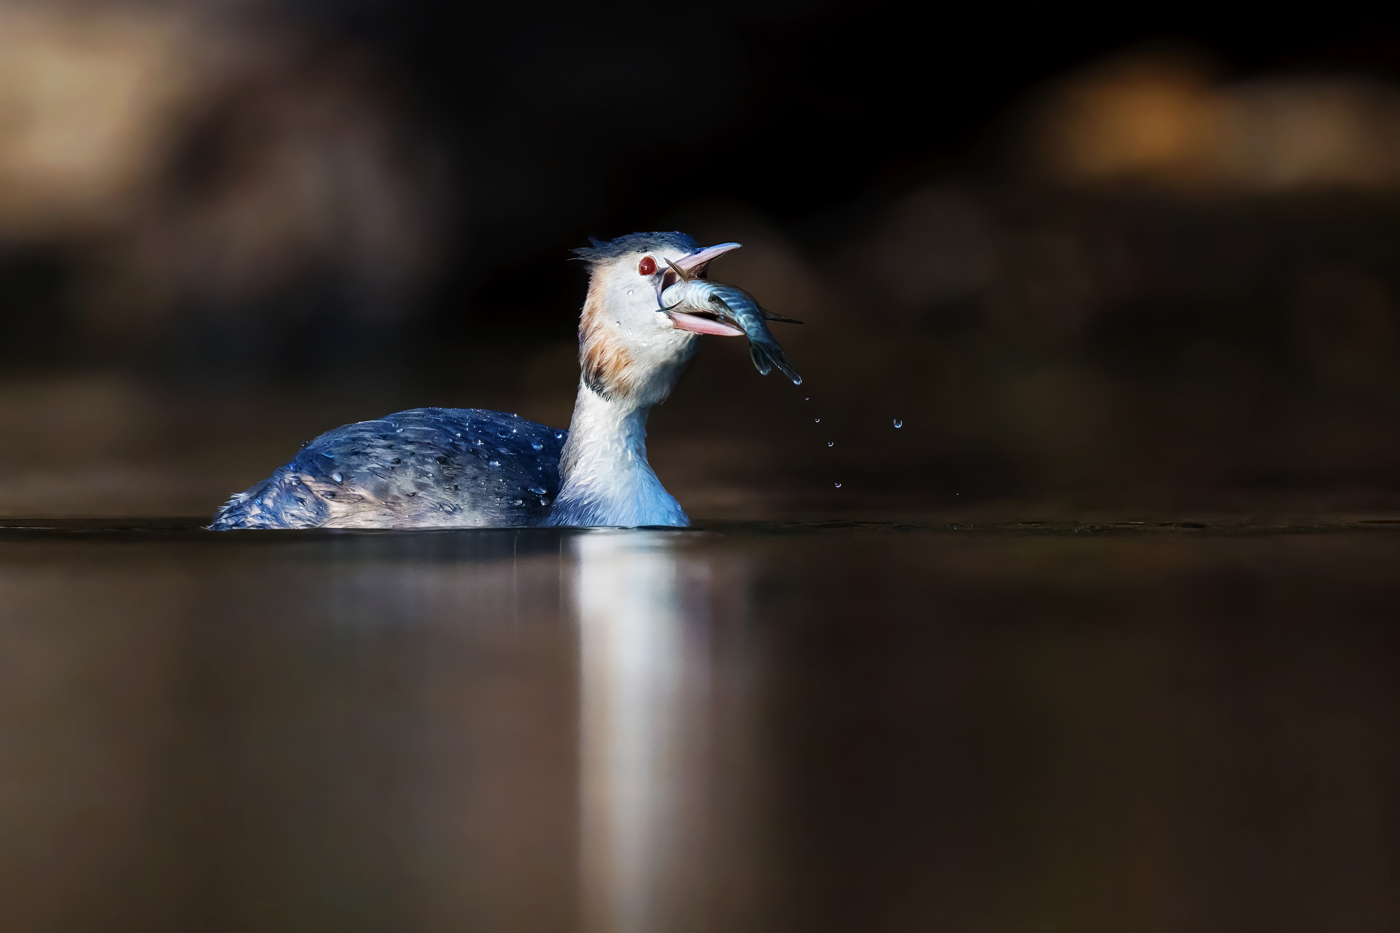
{"x": 816, "y": 421}
{"x": 838, "y": 485}
{"x": 831, "y": 443}
{"x": 898, "y": 423}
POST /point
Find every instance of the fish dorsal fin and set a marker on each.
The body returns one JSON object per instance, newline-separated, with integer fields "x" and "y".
{"x": 684, "y": 276}
{"x": 770, "y": 316}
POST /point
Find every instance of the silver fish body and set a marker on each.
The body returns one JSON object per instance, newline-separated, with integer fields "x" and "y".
{"x": 731, "y": 304}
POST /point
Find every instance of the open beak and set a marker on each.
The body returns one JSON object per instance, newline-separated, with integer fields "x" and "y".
{"x": 693, "y": 266}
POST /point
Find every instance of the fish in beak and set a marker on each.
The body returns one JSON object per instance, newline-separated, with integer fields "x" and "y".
{"x": 727, "y": 311}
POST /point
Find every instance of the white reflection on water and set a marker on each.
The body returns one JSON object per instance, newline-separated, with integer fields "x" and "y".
{"x": 644, "y": 678}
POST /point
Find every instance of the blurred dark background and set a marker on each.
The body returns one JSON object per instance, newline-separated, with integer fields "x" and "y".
{"x": 1125, "y": 266}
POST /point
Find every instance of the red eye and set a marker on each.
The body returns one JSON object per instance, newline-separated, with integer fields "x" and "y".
{"x": 647, "y": 266}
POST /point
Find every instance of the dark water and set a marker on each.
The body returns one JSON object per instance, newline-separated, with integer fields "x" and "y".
{"x": 744, "y": 727}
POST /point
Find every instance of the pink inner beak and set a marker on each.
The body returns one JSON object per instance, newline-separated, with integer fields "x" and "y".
{"x": 703, "y": 325}
{"x": 695, "y": 264}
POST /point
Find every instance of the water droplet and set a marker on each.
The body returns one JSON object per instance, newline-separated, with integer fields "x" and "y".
{"x": 337, "y": 477}
{"x": 629, "y": 293}
{"x": 477, "y": 442}
{"x": 816, "y": 421}
{"x": 495, "y": 463}
{"x": 808, "y": 399}
{"x": 459, "y": 433}
{"x": 898, "y": 423}
{"x": 398, "y": 430}
{"x": 838, "y": 485}
{"x": 558, "y": 435}
{"x": 831, "y": 443}
{"x": 537, "y": 445}
{"x": 537, "y": 490}
{"x": 517, "y": 502}
{"x": 543, "y": 502}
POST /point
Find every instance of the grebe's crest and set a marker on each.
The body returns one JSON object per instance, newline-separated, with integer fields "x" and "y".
{"x": 605, "y": 250}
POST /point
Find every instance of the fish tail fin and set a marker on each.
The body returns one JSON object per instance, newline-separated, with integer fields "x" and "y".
{"x": 761, "y": 360}
{"x": 767, "y": 355}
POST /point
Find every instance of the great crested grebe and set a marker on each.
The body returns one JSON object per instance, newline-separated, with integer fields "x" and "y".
{"x": 465, "y": 467}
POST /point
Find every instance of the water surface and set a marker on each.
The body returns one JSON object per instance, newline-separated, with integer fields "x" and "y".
{"x": 832, "y": 726}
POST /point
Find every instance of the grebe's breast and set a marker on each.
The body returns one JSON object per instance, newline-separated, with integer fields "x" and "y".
{"x": 424, "y": 468}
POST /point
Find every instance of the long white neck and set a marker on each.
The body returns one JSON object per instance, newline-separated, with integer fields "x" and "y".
{"x": 604, "y": 474}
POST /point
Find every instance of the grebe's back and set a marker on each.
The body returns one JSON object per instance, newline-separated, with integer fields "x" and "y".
{"x": 423, "y": 468}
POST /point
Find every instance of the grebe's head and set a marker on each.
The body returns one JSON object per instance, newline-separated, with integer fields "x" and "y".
{"x": 629, "y": 348}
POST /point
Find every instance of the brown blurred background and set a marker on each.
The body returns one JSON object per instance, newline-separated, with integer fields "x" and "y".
{"x": 1120, "y": 267}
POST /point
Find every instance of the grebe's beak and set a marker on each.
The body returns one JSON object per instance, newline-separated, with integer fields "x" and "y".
{"x": 693, "y": 266}
{"x": 685, "y": 269}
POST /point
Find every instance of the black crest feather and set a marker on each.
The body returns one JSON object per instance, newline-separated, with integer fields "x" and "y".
{"x": 604, "y": 250}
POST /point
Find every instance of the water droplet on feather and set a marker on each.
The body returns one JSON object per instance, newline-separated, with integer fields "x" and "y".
{"x": 337, "y": 477}
{"x": 537, "y": 445}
